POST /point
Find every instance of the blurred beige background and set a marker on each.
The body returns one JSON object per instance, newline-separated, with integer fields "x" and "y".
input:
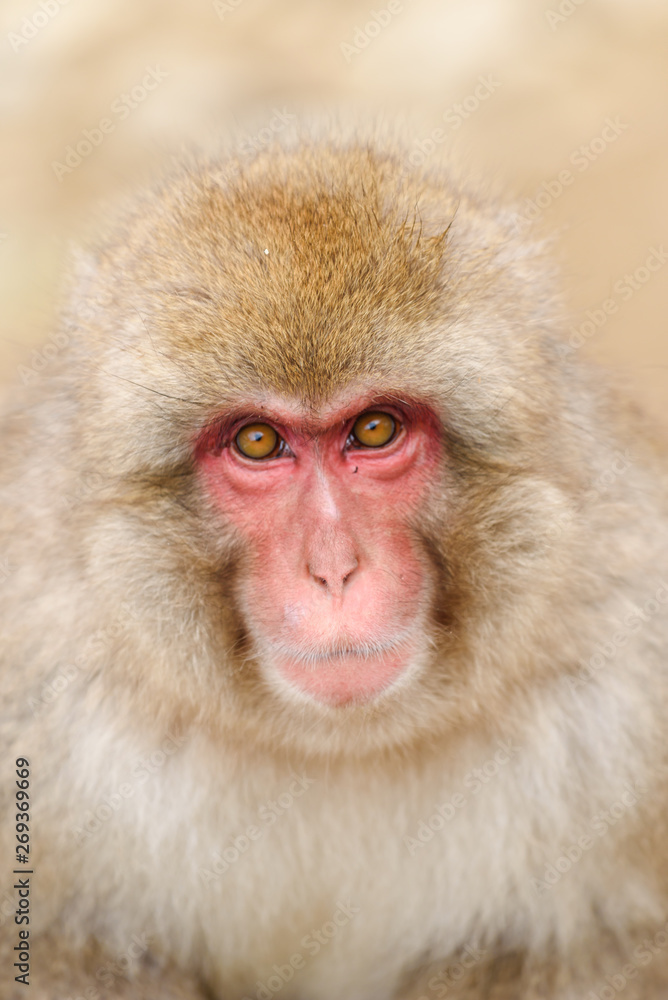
{"x": 565, "y": 102}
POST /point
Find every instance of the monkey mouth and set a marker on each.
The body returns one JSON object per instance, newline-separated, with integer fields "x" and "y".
{"x": 344, "y": 674}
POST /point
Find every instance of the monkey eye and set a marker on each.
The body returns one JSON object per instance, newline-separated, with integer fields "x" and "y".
{"x": 373, "y": 430}
{"x": 258, "y": 441}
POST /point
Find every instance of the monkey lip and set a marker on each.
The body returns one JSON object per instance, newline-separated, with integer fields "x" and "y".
{"x": 343, "y": 676}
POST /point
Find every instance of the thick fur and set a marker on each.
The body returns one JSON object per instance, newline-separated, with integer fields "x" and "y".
{"x": 123, "y": 635}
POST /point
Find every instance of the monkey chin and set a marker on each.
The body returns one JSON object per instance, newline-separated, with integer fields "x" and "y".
{"x": 346, "y": 677}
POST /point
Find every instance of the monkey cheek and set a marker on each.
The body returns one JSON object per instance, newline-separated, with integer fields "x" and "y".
{"x": 294, "y": 614}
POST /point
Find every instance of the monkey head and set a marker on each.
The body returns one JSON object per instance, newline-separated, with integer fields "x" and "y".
{"x": 324, "y": 395}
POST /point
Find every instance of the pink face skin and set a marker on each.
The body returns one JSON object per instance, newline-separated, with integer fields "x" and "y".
{"x": 336, "y": 593}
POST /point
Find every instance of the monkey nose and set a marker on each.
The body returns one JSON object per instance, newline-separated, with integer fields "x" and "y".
{"x": 332, "y": 579}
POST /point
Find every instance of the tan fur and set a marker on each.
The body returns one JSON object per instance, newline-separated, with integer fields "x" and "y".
{"x": 123, "y": 632}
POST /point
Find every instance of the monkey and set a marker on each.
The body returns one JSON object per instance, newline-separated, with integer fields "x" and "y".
{"x": 335, "y": 628}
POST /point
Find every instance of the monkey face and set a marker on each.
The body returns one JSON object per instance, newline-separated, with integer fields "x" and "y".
{"x": 335, "y": 592}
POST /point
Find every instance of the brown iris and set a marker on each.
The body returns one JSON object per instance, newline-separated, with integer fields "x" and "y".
{"x": 373, "y": 430}
{"x": 257, "y": 441}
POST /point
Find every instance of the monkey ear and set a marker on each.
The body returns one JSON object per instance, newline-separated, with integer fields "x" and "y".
{"x": 83, "y": 264}
{"x": 86, "y": 296}
{"x": 84, "y": 269}
{"x": 516, "y": 220}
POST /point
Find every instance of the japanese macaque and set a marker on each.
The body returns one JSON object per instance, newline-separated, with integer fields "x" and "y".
{"x": 334, "y": 610}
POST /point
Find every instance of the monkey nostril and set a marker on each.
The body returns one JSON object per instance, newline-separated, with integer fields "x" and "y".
{"x": 335, "y": 581}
